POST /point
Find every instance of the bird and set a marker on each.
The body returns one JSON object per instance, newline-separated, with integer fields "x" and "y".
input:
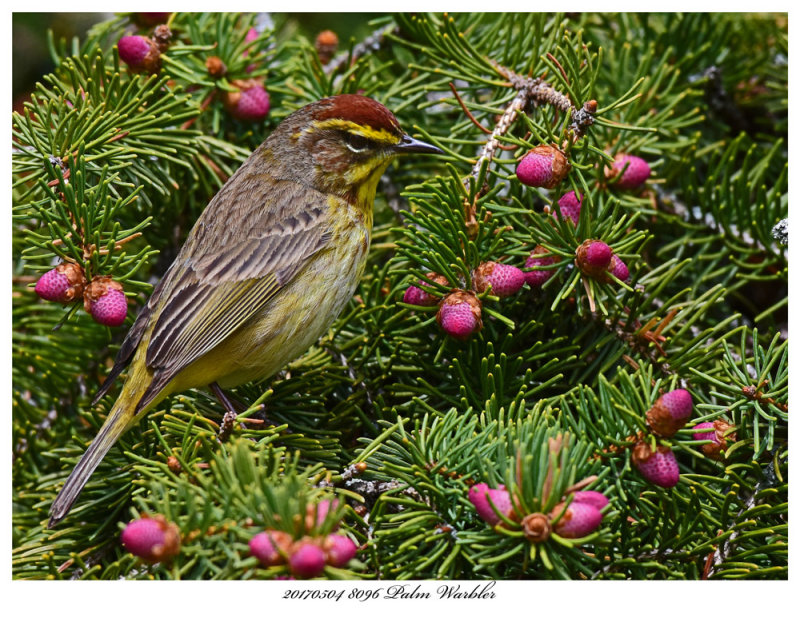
{"x": 268, "y": 266}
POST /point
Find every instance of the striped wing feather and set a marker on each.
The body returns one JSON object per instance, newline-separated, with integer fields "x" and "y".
{"x": 232, "y": 265}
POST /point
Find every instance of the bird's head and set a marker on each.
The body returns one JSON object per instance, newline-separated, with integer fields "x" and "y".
{"x": 342, "y": 145}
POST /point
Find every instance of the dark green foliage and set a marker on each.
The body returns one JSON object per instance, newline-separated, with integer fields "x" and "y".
{"x": 387, "y": 413}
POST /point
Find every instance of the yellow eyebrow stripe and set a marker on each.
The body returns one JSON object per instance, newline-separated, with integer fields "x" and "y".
{"x": 376, "y": 135}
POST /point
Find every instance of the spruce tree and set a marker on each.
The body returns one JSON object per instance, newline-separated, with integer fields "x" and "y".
{"x": 450, "y": 424}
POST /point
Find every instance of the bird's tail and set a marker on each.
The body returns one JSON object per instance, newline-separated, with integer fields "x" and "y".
{"x": 115, "y": 425}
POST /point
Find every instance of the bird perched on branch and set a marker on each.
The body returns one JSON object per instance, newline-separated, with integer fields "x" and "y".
{"x": 270, "y": 263}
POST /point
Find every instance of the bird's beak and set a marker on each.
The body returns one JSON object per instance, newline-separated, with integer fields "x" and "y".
{"x": 409, "y": 144}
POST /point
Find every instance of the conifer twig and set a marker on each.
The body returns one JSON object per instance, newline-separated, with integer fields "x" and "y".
{"x": 723, "y": 551}
{"x": 371, "y": 43}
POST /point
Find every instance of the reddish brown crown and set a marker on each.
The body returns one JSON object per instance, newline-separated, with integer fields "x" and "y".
{"x": 360, "y": 110}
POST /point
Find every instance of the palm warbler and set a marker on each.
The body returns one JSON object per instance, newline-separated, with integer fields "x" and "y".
{"x": 268, "y": 266}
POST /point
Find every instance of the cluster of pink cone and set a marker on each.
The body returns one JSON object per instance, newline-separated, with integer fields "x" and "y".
{"x": 249, "y": 101}
{"x": 668, "y": 414}
{"x": 460, "y": 311}
{"x": 597, "y": 260}
{"x": 155, "y": 540}
{"x": 576, "y": 519}
{"x": 306, "y": 557}
{"x": 546, "y": 166}
{"x": 103, "y": 297}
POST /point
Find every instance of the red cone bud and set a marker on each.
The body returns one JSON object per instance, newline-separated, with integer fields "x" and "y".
{"x": 251, "y": 35}
{"x": 483, "y": 498}
{"x": 417, "y": 294}
{"x": 619, "y": 269}
{"x": 593, "y": 257}
{"x": 504, "y": 279}
{"x": 140, "y": 53}
{"x": 249, "y": 103}
{"x": 271, "y": 547}
{"x": 719, "y": 441}
{"x": 544, "y": 166}
{"x": 594, "y": 498}
{"x": 307, "y": 560}
{"x": 339, "y": 550}
{"x": 152, "y": 539}
{"x": 637, "y": 171}
{"x": 670, "y": 412}
{"x": 581, "y": 518}
{"x": 659, "y": 467}
{"x": 316, "y": 513}
{"x": 104, "y": 300}
{"x": 537, "y": 278}
{"x": 63, "y": 284}
{"x": 570, "y": 205}
{"x": 460, "y": 314}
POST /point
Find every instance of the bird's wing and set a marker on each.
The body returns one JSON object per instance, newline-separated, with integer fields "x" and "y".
{"x": 131, "y": 341}
{"x": 223, "y": 277}
{"x": 232, "y": 264}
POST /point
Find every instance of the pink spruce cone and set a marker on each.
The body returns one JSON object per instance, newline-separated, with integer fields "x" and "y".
{"x": 460, "y": 314}
{"x": 271, "y": 547}
{"x": 249, "y": 103}
{"x": 544, "y": 166}
{"x": 593, "y": 498}
{"x": 636, "y": 172}
{"x": 63, "y": 284}
{"x": 339, "y": 550}
{"x": 417, "y": 294}
{"x": 670, "y": 412}
{"x": 619, "y": 269}
{"x": 316, "y": 513}
{"x": 251, "y": 35}
{"x": 140, "y": 53}
{"x": 504, "y": 279}
{"x": 719, "y": 441}
{"x": 52, "y": 286}
{"x": 570, "y": 205}
{"x": 104, "y": 300}
{"x": 152, "y": 539}
{"x": 110, "y": 309}
{"x": 537, "y": 278}
{"x": 482, "y": 499}
{"x": 307, "y": 560}
{"x": 593, "y": 257}
{"x": 581, "y": 518}
{"x": 659, "y": 467}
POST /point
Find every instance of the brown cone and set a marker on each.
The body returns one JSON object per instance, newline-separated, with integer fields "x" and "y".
{"x": 715, "y": 449}
{"x": 536, "y": 527}
{"x": 326, "y": 45}
{"x": 216, "y": 68}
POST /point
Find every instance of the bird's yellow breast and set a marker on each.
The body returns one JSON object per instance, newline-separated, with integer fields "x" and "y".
{"x": 298, "y": 314}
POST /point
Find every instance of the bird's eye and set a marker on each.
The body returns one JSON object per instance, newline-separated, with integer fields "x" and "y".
{"x": 355, "y": 142}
